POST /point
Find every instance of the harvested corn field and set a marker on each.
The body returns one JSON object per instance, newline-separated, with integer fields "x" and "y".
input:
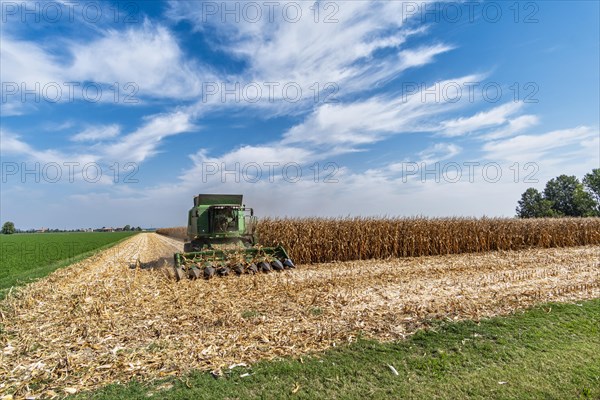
{"x": 317, "y": 240}
{"x": 100, "y": 321}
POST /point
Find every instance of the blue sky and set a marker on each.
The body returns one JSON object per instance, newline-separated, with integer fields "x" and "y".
{"x": 117, "y": 113}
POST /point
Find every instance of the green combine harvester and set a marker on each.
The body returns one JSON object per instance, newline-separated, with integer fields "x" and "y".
{"x": 222, "y": 240}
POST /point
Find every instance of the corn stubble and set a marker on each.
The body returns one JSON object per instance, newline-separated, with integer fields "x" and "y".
{"x": 317, "y": 240}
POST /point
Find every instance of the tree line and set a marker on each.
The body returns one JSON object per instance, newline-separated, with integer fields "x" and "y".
{"x": 8, "y": 228}
{"x": 563, "y": 196}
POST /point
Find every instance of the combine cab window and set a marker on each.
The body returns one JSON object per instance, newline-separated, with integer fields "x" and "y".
{"x": 224, "y": 219}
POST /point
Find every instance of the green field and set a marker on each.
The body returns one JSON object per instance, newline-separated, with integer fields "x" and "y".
{"x": 26, "y": 257}
{"x": 549, "y": 352}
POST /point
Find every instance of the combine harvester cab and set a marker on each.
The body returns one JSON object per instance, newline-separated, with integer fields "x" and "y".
{"x": 222, "y": 240}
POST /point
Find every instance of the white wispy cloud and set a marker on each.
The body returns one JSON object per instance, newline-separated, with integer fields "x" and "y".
{"x": 25, "y": 62}
{"x": 485, "y": 119}
{"x": 410, "y": 168}
{"x": 365, "y": 47}
{"x": 137, "y": 146}
{"x": 147, "y": 55}
{"x": 97, "y": 133}
{"x": 257, "y": 164}
{"x": 14, "y": 145}
{"x": 26, "y": 67}
{"x": 375, "y": 118}
{"x": 439, "y": 152}
{"x": 514, "y": 126}
{"x": 141, "y": 61}
{"x": 145, "y": 141}
{"x": 542, "y": 146}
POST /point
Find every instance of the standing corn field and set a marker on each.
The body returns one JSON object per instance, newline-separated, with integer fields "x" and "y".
{"x": 314, "y": 240}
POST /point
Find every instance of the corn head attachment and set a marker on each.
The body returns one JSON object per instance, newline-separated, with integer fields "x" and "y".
{"x": 218, "y": 262}
{"x": 222, "y": 241}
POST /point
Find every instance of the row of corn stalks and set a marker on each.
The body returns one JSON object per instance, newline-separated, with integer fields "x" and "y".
{"x": 311, "y": 240}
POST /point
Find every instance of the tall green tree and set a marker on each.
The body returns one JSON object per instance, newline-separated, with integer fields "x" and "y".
{"x": 568, "y": 197}
{"x": 534, "y": 205}
{"x": 8, "y": 228}
{"x": 584, "y": 203}
{"x": 591, "y": 182}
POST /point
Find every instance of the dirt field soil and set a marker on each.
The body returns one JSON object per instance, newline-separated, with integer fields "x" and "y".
{"x": 101, "y": 321}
